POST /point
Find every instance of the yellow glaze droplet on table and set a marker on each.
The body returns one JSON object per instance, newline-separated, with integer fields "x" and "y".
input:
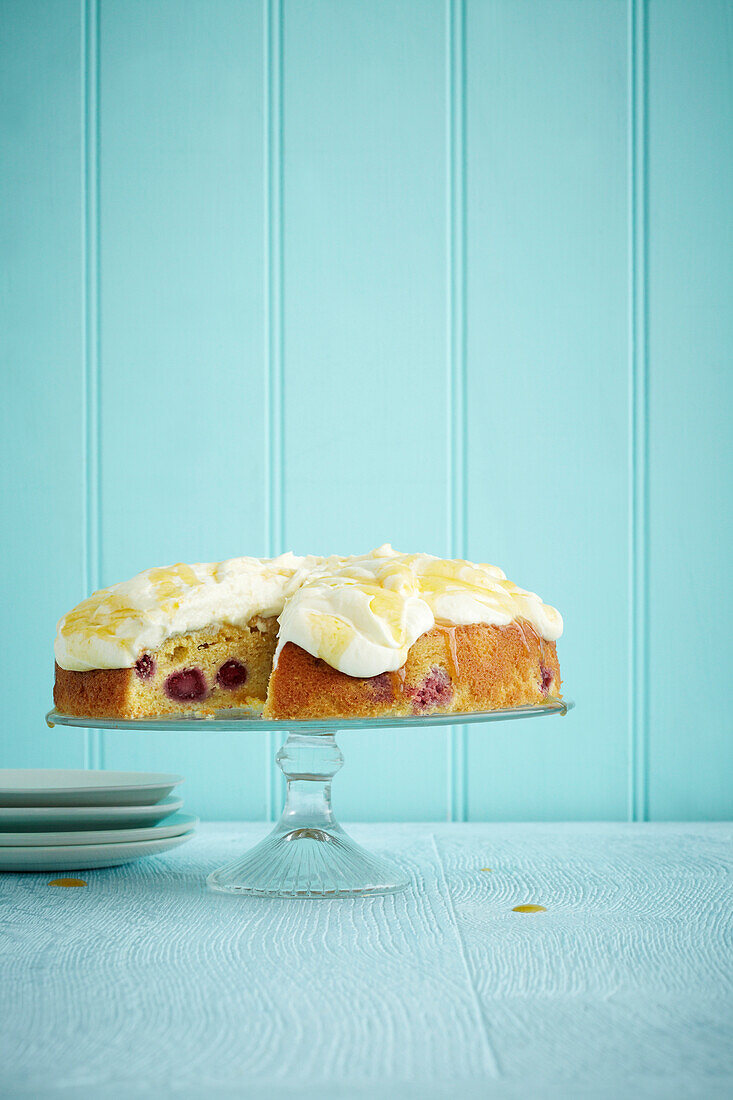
{"x": 529, "y": 909}
{"x": 67, "y": 882}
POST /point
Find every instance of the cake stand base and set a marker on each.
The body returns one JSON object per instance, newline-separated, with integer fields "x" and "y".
{"x": 308, "y": 854}
{"x": 308, "y": 863}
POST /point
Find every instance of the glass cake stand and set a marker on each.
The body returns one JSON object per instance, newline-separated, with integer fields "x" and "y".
{"x": 308, "y": 854}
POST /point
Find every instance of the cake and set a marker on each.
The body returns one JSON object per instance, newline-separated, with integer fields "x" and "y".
{"x": 384, "y": 634}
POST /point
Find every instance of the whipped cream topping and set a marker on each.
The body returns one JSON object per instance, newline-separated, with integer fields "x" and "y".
{"x": 362, "y": 615}
{"x": 116, "y": 625}
{"x": 359, "y": 614}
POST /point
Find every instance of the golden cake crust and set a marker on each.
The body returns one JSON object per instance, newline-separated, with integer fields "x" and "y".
{"x": 448, "y": 670}
{"x": 99, "y": 693}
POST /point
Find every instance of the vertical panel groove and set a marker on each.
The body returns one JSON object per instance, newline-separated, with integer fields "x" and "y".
{"x": 638, "y": 808}
{"x": 456, "y": 397}
{"x": 94, "y": 743}
{"x": 274, "y": 363}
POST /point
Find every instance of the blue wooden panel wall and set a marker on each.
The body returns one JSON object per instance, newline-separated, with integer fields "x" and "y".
{"x": 316, "y": 275}
{"x": 364, "y": 320}
{"x": 547, "y": 348}
{"x": 690, "y": 343}
{"x": 179, "y": 101}
{"x": 44, "y": 352}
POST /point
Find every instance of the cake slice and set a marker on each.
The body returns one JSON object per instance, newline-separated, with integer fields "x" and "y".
{"x": 190, "y": 639}
{"x": 198, "y": 672}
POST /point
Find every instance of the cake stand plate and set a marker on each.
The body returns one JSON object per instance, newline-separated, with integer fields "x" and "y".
{"x": 308, "y": 854}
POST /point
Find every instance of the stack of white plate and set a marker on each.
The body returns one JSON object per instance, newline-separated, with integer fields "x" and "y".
{"x": 64, "y": 820}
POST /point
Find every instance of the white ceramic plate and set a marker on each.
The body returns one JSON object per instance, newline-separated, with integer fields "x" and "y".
{"x": 50, "y": 818}
{"x": 174, "y": 826}
{"x": 69, "y": 787}
{"x": 76, "y": 857}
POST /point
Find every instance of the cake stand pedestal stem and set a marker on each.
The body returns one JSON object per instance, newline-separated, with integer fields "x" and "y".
{"x": 308, "y": 854}
{"x": 309, "y": 763}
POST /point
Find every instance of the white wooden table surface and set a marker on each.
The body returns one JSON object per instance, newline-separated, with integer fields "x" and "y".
{"x": 143, "y": 983}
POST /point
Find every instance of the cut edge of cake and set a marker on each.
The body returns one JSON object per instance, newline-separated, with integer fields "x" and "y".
{"x": 197, "y": 673}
